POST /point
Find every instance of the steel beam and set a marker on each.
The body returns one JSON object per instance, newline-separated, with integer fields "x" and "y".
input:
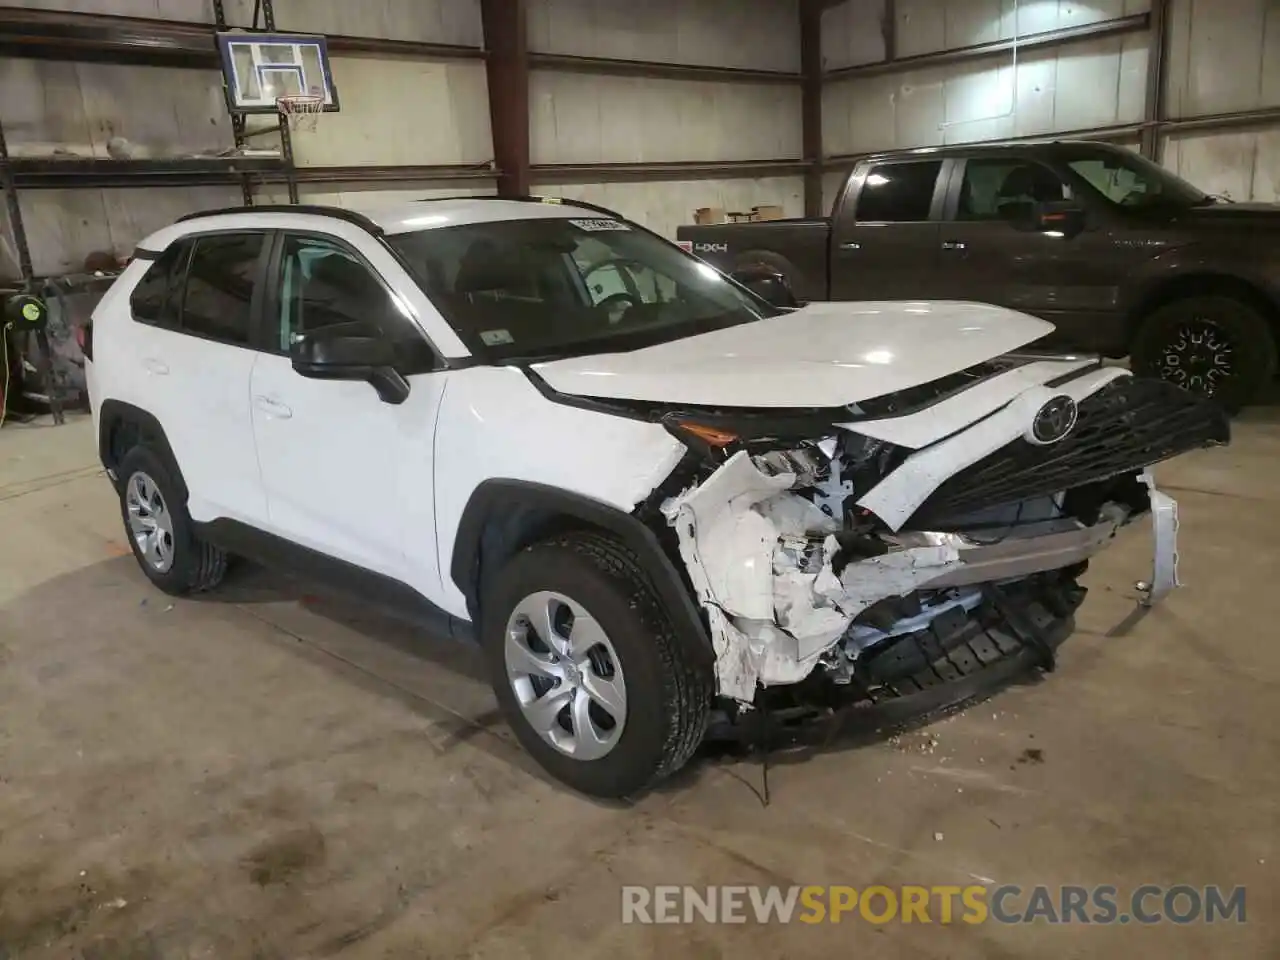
{"x": 981, "y": 51}
{"x": 16, "y": 228}
{"x": 1153, "y": 113}
{"x": 674, "y": 170}
{"x": 656, "y": 69}
{"x": 811, "y": 103}
{"x": 507, "y": 66}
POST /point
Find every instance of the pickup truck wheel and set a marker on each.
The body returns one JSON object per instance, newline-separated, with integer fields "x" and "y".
{"x": 1216, "y": 346}
{"x": 588, "y": 670}
{"x": 159, "y": 528}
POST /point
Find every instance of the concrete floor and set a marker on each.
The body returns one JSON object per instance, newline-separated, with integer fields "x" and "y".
{"x": 260, "y": 773}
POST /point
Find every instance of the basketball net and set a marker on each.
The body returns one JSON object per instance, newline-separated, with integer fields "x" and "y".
{"x": 301, "y": 111}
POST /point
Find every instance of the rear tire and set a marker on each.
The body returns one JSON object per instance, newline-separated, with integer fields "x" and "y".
{"x": 666, "y": 682}
{"x": 1216, "y": 346}
{"x": 160, "y": 530}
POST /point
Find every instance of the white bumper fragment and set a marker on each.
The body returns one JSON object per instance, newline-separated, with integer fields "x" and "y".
{"x": 761, "y": 560}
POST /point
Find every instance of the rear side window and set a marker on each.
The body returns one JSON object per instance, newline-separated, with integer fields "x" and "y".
{"x": 220, "y": 286}
{"x": 157, "y": 297}
{"x": 898, "y": 192}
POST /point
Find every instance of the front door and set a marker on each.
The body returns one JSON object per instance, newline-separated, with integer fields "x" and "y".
{"x": 884, "y": 243}
{"x": 346, "y": 474}
{"x": 1072, "y": 281}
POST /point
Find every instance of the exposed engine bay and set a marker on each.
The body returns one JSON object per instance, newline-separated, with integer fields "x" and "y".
{"x": 896, "y": 567}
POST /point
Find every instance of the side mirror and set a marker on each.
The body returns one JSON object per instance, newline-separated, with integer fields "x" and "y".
{"x": 768, "y": 285}
{"x": 345, "y": 355}
{"x": 1054, "y": 217}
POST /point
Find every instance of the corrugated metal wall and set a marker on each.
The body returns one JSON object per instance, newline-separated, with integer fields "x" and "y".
{"x": 1223, "y": 55}
{"x": 579, "y": 119}
{"x": 394, "y": 111}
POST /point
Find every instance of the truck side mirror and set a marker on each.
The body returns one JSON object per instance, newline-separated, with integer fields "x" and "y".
{"x": 768, "y": 285}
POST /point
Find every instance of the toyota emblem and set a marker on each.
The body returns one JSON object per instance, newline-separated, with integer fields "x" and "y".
{"x": 1053, "y": 421}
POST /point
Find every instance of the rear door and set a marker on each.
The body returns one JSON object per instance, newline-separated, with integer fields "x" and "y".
{"x": 885, "y": 235}
{"x": 194, "y": 361}
{"x": 1071, "y": 281}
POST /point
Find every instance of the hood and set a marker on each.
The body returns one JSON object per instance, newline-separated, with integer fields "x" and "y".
{"x": 823, "y": 355}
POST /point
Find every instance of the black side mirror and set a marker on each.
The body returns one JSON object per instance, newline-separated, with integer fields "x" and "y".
{"x": 1063, "y": 218}
{"x": 345, "y": 355}
{"x": 768, "y": 285}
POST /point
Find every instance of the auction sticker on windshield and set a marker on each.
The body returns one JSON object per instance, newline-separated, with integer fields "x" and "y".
{"x": 596, "y": 225}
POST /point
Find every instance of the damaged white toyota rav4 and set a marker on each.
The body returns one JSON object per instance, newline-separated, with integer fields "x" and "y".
{"x": 649, "y": 495}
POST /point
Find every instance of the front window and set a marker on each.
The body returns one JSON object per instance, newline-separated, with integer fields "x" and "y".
{"x": 1126, "y": 179}
{"x": 557, "y": 287}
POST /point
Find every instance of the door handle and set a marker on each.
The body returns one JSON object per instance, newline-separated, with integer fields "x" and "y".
{"x": 158, "y": 367}
{"x": 273, "y": 407}
{"x": 851, "y": 245}
{"x": 954, "y": 245}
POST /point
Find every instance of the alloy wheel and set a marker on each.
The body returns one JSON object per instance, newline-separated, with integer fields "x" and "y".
{"x": 1199, "y": 357}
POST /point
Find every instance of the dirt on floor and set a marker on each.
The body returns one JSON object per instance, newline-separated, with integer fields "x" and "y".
{"x": 268, "y": 773}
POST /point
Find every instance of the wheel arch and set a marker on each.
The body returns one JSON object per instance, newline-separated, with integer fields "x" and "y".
{"x": 122, "y": 426}
{"x": 1202, "y": 283}
{"x": 503, "y": 517}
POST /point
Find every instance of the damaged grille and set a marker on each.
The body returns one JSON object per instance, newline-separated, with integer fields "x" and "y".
{"x": 1126, "y": 426}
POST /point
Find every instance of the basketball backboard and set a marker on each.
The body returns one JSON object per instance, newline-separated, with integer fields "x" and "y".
{"x": 259, "y": 68}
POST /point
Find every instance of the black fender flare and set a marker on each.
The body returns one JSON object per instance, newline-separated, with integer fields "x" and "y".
{"x": 503, "y": 516}
{"x": 116, "y": 415}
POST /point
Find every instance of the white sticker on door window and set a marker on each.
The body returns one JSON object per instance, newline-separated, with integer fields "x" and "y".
{"x": 496, "y": 338}
{"x": 598, "y": 225}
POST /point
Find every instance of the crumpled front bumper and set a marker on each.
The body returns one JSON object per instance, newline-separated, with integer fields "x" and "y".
{"x": 774, "y": 614}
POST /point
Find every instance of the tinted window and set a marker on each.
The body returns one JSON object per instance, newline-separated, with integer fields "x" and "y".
{"x": 898, "y": 192}
{"x": 1128, "y": 180}
{"x": 156, "y": 297}
{"x": 323, "y": 284}
{"x": 1004, "y": 189}
{"x": 556, "y": 287}
{"x": 220, "y": 284}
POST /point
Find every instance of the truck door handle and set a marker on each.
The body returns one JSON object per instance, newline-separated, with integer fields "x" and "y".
{"x": 273, "y": 407}
{"x": 158, "y": 367}
{"x": 851, "y": 245}
{"x": 954, "y": 245}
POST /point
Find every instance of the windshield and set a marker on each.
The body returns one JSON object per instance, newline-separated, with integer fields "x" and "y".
{"x": 557, "y": 287}
{"x": 1126, "y": 179}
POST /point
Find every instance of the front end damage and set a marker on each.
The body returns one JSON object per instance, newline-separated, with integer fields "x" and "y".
{"x": 859, "y": 559}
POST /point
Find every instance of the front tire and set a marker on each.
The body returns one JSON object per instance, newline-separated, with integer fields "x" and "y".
{"x": 1216, "y": 346}
{"x": 160, "y": 530}
{"x": 591, "y": 675}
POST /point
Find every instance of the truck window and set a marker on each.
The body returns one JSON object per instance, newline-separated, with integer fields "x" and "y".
{"x": 1002, "y": 189}
{"x": 898, "y": 192}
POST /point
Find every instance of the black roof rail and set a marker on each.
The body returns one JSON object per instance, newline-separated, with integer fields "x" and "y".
{"x": 319, "y": 210}
{"x": 531, "y": 198}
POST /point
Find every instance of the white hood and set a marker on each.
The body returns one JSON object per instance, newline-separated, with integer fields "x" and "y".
{"x": 824, "y": 355}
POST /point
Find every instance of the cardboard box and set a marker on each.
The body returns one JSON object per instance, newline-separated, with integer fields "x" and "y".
{"x": 705, "y": 215}
{"x": 768, "y": 211}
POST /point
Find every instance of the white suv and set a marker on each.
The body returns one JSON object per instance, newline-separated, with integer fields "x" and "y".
{"x": 650, "y": 495}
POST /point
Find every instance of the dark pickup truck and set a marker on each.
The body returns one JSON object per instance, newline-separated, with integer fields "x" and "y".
{"x": 1122, "y": 256}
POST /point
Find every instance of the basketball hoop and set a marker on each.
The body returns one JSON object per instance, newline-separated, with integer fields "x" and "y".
{"x": 301, "y": 111}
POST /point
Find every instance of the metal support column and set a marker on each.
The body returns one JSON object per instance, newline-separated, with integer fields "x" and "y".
{"x": 811, "y": 103}
{"x": 286, "y": 138}
{"x": 889, "y": 29}
{"x": 237, "y": 119}
{"x": 1157, "y": 68}
{"x": 507, "y": 67}
{"x": 16, "y": 227}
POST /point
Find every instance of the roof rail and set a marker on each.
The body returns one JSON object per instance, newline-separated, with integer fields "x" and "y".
{"x": 318, "y": 210}
{"x": 530, "y": 198}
